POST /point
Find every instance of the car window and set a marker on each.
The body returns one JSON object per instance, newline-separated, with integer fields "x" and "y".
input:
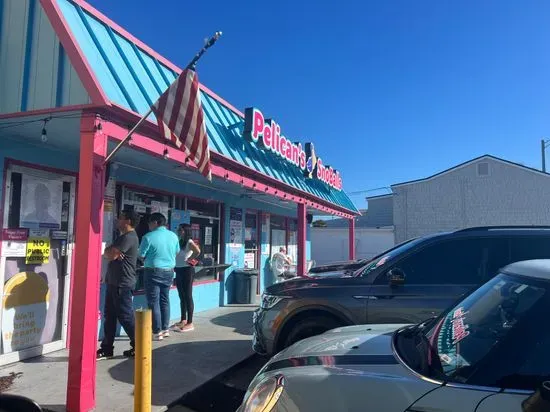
{"x": 477, "y": 341}
{"x": 534, "y": 247}
{"x": 456, "y": 261}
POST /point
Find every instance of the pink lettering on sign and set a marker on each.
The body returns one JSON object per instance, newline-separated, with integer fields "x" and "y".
{"x": 267, "y": 132}
{"x": 15, "y": 234}
{"x": 459, "y": 328}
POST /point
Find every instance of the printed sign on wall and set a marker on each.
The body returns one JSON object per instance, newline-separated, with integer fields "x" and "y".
{"x": 14, "y": 242}
{"x": 41, "y": 202}
{"x": 25, "y": 305}
{"x": 38, "y": 247}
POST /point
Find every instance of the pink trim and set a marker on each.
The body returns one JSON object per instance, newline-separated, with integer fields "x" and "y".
{"x": 251, "y": 178}
{"x": 76, "y": 56}
{"x": 39, "y": 112}
{"x": 87, "y": 269}
{"x": 351, "y": 239}
{"x": 3, "y": 199}
{"x": 124, "y": 33}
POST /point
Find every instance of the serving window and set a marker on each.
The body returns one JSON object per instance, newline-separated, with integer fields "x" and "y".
{"x": 202, "y": 215}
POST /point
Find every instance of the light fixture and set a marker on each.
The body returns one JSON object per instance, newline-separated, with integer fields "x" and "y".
{"x": 166, "y": 155}
{"x": 44, "y": 135}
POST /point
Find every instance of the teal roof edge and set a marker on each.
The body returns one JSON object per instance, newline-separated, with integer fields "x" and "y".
{"x": 132, "y": 76}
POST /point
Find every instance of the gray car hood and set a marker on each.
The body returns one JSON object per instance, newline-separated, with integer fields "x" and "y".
{"x": 348, "y": 369}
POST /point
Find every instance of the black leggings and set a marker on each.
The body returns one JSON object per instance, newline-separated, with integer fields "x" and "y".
{"x": 184, "y": 283}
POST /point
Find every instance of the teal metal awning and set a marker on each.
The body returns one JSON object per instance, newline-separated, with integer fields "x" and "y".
{"x": 133, "y": 78}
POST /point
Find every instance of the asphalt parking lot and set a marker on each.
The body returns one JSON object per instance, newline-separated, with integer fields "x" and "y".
{"x": 223, "y": 393}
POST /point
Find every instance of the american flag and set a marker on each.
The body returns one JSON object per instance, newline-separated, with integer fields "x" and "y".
{"x": 181, "y": 119}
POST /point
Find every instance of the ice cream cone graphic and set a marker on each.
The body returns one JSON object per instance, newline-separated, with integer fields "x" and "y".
{"x": 25, "y": 305}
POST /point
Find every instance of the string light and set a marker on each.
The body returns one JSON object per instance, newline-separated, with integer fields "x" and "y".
{"x": 44, "y": 135}
{"x": 166, "y": 155}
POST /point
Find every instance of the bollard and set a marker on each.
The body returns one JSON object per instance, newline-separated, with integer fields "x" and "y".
{"x": 142, "y": 368}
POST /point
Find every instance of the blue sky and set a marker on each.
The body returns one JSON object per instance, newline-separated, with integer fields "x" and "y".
{"x": 388, "y": 90}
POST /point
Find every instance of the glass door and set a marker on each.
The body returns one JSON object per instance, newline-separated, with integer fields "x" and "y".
{"x": 251, "y": 240}
{"x": 35, "y": 262}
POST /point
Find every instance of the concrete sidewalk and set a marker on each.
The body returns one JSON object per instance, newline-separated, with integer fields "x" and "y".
{"x": 181, "y": 363}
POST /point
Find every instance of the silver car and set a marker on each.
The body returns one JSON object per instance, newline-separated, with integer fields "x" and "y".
{"x": 487, "y": 353}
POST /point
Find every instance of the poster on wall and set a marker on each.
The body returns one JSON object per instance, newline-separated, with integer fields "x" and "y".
{"x": 196, "y": 233}
{"x": 235, "y": 214}
{"x": 41, "y": 203}
{"x": 249, "y": 261}
{"x": 38, "y": 247}
{"x": 110, "y": 189}
{"x": 155, "y": 206}
{"x": 25, "y": 306}
{"x": 208, "y": 235}
{"x": 14, "y": 242}
{"x": 235, "y": 232}
{"x": 179, "y": 217}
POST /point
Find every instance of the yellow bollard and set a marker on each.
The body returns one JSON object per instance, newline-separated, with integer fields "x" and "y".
{"x": 142, "y": 369}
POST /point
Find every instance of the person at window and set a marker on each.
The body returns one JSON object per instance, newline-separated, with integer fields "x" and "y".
{"x": 158, "y": 249}
{"x": 288, "y": 259}
{"x": 121, "y": 280}
{"x": 184, "y": 278}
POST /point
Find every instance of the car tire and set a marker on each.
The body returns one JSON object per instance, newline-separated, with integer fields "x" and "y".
{"x": 310, "y": 327}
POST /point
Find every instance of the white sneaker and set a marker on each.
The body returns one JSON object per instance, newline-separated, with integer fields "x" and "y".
{"x": 165, "y": 334}
{"x": 158, "y": 336}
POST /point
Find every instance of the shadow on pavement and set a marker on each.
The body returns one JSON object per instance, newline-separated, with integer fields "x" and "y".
{"x": 181, "y": 367}
{"x": 241, "y": 322}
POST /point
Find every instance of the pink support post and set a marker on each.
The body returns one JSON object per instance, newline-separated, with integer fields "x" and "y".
{"x": 351, "y": 239}
{"x": 302, "y": 225}
{"x": 86, "y": 278}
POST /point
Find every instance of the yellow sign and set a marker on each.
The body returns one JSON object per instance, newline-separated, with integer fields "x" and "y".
{"x": 26, "y": 301}
{"x": 38, "y": 248}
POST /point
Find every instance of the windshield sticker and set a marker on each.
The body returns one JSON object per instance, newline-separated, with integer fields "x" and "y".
{"x": 459, "y": 328}
{"x": 382, "y": 261}
{"x": 455, "y": 360}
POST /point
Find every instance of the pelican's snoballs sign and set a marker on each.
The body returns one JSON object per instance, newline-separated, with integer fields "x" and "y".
{"x": 267, "y": 133}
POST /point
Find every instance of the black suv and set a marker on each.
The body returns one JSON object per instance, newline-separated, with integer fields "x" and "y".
{"x": 406, "y": 284}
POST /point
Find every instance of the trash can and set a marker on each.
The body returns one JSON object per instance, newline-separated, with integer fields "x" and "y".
{"x": 245, "y": 285}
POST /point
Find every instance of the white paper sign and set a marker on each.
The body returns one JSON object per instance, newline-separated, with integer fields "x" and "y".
{"x": 208, "y": 235}
{"x": 14, "y": 248}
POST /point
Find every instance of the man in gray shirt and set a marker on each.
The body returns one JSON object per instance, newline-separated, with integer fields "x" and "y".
{"x": 121, "y": 281}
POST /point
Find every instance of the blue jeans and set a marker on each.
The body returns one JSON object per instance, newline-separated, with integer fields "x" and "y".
{"x": 157, "y": 290}
{"x": 118, "y": 306}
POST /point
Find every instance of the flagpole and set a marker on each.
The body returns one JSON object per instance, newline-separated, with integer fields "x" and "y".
{"x": 191, "y": 66}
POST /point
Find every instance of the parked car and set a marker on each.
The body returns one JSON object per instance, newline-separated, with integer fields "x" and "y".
{"x": 486, "y": 353}
{"x": 407, "y": 284}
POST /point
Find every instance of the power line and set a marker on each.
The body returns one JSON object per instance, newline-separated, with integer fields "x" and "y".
{"x": 360, "y": 192}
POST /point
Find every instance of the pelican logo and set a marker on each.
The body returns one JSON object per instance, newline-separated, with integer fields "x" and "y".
{"x": 311, "y": 162}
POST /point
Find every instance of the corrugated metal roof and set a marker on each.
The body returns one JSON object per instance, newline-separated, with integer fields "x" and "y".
{"x": 133, "y": 79}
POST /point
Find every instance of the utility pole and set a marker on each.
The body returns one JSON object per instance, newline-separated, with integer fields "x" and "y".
{"x": 543, "y": 145}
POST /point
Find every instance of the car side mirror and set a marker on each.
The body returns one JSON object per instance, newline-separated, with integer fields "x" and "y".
{"x": 539, "y": 401}
{"x": 396, "y": 277}
{"x": 16, "y": 403}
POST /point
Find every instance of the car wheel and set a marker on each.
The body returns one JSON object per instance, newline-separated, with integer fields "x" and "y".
{"x": 310, "y": 327}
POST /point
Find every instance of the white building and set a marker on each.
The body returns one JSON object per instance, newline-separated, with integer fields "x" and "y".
{"x": 485, "y": 191}
{"x": 373, "y": 233}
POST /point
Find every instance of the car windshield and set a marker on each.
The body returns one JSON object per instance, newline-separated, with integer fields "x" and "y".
{"x": 462, "y": 337}
{"x": 386, "y": 256}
